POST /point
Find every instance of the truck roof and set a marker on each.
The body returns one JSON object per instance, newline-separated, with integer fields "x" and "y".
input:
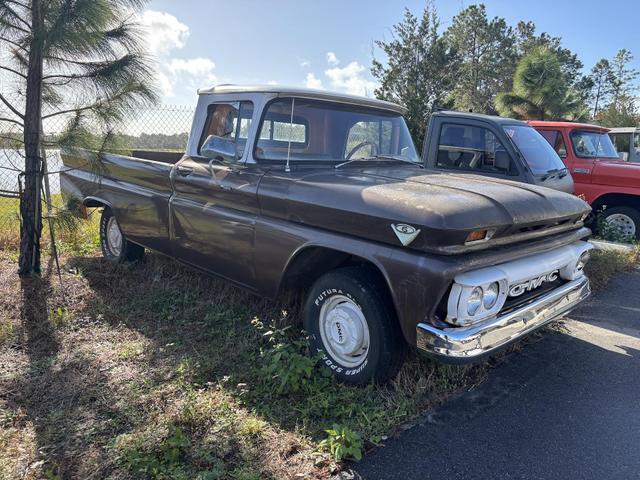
{"x": 624, "y": 130}
{"x": 480, "y": 116}
{"x": 304, "y": 92}
{"x": 585, "y": 126}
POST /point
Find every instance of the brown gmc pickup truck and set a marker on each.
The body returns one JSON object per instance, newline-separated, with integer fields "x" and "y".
{"x": 285, "y": 188}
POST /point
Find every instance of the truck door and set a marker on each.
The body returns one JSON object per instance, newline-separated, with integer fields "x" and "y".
{"x": 214, "y": 206}
{"x": 462, "y": 144}
{"x": 581, "y": 166}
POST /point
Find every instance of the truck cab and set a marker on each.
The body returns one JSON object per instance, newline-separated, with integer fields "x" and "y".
{"x": 495, "y": 147}
{"x": 608, "y": 182}
{"x": 627, "y": 143}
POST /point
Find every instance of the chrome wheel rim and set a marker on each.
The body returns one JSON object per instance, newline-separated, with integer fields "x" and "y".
{"x": 623, "y": 223}
{"x": 114, "y": 237}
{"x": 344, "y": 331}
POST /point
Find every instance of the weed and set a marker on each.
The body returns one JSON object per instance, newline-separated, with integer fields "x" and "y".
{"x": 610, "y": 232}
{"x": 603, "y": 265}
{"x": 342, "y": 443}
{"x": 161, "y": 460}
{"x": 288, "y": 363}
{"x": 252, "y": 427}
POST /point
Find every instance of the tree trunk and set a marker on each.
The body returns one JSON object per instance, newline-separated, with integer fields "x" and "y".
{"x": 31, "y": 226}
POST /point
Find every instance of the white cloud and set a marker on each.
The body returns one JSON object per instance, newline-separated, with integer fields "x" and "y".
{"x": 350, "y": 79}
{"x": 272, "y": 82}
{"x": 165, "y": 34}
{"x": 305, "y": 63}
{"x": 312, "y": 81}
{"x": 332, "y": 59}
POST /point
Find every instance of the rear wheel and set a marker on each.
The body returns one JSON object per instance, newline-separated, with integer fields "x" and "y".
{"x": 115, "y": 247}
{"x": 351, "y": 323}
{"x": 626, "y": 220}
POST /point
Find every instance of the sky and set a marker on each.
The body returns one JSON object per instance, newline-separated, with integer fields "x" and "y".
{"x": 330, "y": 43}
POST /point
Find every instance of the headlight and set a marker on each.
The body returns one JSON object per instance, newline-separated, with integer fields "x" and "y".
{"x": 491, "y": 295}
{"x": 582, "y": 261}
{"x": 474, "y": 301}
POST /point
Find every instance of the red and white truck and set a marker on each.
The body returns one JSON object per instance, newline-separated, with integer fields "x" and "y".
{"x": 604, "y": 178}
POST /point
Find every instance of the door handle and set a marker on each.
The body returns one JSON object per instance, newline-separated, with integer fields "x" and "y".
{"x": 184, "y": 171}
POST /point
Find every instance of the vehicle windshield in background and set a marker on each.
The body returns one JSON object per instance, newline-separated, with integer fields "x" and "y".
{"x": 539, "y": 155}
{"x": 588, "y": 144}
{"x": 311, "y": 131}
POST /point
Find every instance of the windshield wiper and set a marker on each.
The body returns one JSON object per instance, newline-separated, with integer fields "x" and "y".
{"x": 561, "y": 172}
{"x": 380, "y": 157}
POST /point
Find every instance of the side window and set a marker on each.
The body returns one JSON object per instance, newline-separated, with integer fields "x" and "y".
{"x": 463, "y": 147}
{"x": 373, "y": 137}
{"x": 556, "y": 140}
{"x": 226, "y": 130}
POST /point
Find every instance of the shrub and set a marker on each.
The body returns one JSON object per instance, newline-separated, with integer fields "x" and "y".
{"x": 287, "y": 362}
{"x": 342, "y": 443}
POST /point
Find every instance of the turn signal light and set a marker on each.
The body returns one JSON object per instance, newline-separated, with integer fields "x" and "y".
{"x": 476, "y": 235}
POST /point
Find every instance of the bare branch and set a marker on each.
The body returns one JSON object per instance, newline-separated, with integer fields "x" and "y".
{"x": 14, "y": 43}
{"x": 72, "y": 110}
{"x": 12, "y": 25}
{"x": 11, "y": 120}
{"x": 11, "y": 107}
{"x": 15, "y": 14}
{"x": 26, "y": 7}
{"x": 2, "y": 67}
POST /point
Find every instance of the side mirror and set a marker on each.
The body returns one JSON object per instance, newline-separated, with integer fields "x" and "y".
{"x": 624, "y": 156}
{"x": 502, "y": 160}
{"x": 218, "y": 148}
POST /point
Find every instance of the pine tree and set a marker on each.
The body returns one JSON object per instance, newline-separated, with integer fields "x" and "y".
{"x": 419, "y": 70}
{"x": 540, "y": 90}
{"x": 79, "y": 59}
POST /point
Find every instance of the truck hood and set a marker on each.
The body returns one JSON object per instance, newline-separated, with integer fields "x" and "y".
{"x": 443, "y": 207}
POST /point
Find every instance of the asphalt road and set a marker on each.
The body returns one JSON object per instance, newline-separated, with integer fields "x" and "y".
{"x": 566, "y": 407}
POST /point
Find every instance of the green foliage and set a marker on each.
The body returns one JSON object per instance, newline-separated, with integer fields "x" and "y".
{"x": 287, "y": 363}
{"x": 540, "y": 90}
{"x": 485, "y": 55}
{"x": 159, "y": 461}
{"x": 527, "y": 41}
{"x": 342, "y": 443}
{"x": 610, "y": 232}
{"x": 615, "y": 89}
{"x": 419, "y": 71}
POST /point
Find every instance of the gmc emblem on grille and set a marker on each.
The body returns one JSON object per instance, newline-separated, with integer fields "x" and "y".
{"x": 520, "y": 288}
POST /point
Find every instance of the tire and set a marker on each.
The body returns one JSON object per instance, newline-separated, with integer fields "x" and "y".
{"x": 626, "y": 218}
{"x": 116, "y": 248}
{"x": 355, "y": 355}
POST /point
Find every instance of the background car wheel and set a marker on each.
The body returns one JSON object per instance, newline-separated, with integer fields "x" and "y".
{"x": 115, "y": 247}
{"x": 625, "y": 219}
{"x": 350, "y": 321}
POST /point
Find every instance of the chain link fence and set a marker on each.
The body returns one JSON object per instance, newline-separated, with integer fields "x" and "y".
{"x": 164, "y": 127}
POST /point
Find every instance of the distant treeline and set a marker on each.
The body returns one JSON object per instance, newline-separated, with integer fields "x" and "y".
{"x": 144, "y": 141}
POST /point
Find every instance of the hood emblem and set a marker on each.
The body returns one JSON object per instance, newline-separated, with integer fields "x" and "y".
{"x": 405, "y": 233}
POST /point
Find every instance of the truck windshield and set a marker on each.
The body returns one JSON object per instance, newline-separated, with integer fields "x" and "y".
{"x": 306, "y": 130}
{"x": 536, "y": 151}
{"x": 591, "y": 144}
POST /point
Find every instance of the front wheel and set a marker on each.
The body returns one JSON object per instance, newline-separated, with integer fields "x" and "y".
{"x": 115, "y": 247}
{"x": 625, "y": 220}
{"x": 352, "y": 325}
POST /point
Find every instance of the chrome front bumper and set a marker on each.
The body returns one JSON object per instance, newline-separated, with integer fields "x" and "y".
{"x": 467, "y": 344}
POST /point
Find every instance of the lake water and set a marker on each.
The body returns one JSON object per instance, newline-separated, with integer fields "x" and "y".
{"x": 12, "y": 160}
